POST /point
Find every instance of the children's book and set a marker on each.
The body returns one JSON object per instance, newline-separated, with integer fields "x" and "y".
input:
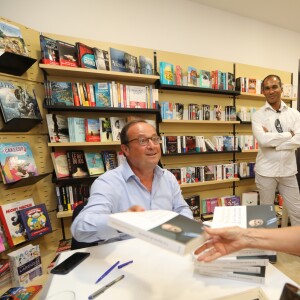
{"x": 67, "y": 54}
{"x": 102, "y": 59}
{"x": 12, "y": 40}
{"x": 17, "y": 162}
{"x": 14, "y": 231}
{"x": 58, "y": 128}
{"x": 21, "y": 293}
{"x": 17, "y": 100}
{"x": 49, "y": 50}
{"x": 117, "y": 58}
{"x": 85, "y": 56}
{"x": 166, "y": 73}
{"x": 94, "y": 163}
{"x": 60, "y": 163}
{"x": 163, "y": 228}
{"x": 25, "y": 264}
{"x": 35, "y": 220}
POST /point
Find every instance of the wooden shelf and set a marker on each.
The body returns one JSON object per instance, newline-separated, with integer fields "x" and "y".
{"x": 80, "y": 144}
{"x": 250, "y": 151}
{"x": 189, "y": 185}
{"x": 15, "y": 64}
{"x": 199, "y": 122}
{"x": 200, "y": 153}
{"x": 251, "y": 96}
{"x": 64, "y": 214}
{"x": 54, "y": 70}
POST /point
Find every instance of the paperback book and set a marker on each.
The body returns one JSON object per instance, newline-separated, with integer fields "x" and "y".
{"x": 77, "y": 163}
{"x": 85, "y": 56}
{"x": 105, "y": 130}
{"x": 18, "y": 100}
{"x": 12, "y": 226}
{"x": 94, "y": 163}
{"x": 60, "y": 163}
{"x": 117, "y": 60}
{"x": 166, "y": 229}
{"x": 92, "y": 130}
{"x": 35, "y": 220}
{"x": 116, "y": 126}
{"x": 48, "y": 50}
{"x": 102, "y": 59}
{"x": 145, "y": 65}
{"x": 17, "y": 162}
{"x": 62, "y": 93}
{"x": 109, "y": 159}
{"x": 131, "y": 63}
{"x": 21, "y": 293}
{"x": 67, "y": 54}
{"x": 58, "y": 128}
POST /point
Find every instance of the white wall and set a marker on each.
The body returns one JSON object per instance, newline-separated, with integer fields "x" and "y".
{"x": 172, "y": 25}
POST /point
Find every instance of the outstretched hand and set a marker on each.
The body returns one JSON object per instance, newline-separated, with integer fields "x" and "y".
{"x": 220, "y": 242}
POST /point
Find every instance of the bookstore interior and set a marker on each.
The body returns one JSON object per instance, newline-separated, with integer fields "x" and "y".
{"x": 63, "y": 104}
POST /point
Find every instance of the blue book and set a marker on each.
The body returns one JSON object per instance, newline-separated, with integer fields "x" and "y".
{"x": 76, "y": 129}
{"x": 117, "y": 58}
{"x": 166, "y": 73}
{"x": 62, "y": 93}
{"x": 102, "y": 94}
{"x": 94, "y": 163}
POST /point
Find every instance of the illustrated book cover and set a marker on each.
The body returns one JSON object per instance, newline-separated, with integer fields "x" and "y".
{"x": 85, "y": 56}
{"x": 21, "y": 293}
{"x": 92, "y": 130}
{"x": 117, "y": 58}
{"x": 163, "y": 228}
{"x": 62, "y": 93}
{"x": 103, "y": 94}
{"x": 17, "y": 162}
{"x": 77, "y": 163}
{"x": 60, "y": 163}
{"x": 166, "y": 73}
{"x": 49, "y": 50}
{"x": 25, "y": 264}
{"x": 3, "y": 242}
{"x": 14, "y": 231}
{"x": 105, "y": 130}
{"x": 11, "y": 39}
{"x": 94, "y": 163}
{"x": 35, "y": 220}
{"x": 67, "y": 54}
{"x": 18, "y": 100}
{"x": 117, "y": 125}
{"x": 131, "y": 63}
{"x": 58, "y": 128}
{"x": 102, "y": 59}
{"x": 145, "y": 65}
{"x": 110, "y": 159}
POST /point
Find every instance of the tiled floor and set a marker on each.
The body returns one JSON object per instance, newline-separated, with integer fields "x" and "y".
{"x": 289, "y": 265}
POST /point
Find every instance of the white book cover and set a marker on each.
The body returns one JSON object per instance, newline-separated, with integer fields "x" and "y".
{"x": 163, "y": 228}
{"x": 254, "y": 293}
{"x": 116, "y": 126}
{"x": 58, "y": 128}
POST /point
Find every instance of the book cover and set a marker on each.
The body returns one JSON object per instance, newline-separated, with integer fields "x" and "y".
{"x": 18, "y": 100}
{"x": 145, "y": 65}
{"x": 62, "y": 93}
{"x": 67, "y": 54}
{"x": 17, "y": 161}
{"x": 48, "y": 50}
{"x": 117, "y": 58}
{"x": 251, "y": 294}
{"x": 166, "y": 73}
{"x": 192, "y": 76}
{"x": 58, "y": 128}
{"x": 21, "y": 293}
{"x": 77, "y": 163}
{"x": 110, "y": 160}
{"x": 94, "y": 163}
{"x": 3, "y": 242}
{"x": 103, "y": 94}
{"x": 76, "y": 129}
{"x": 60, "y": 163}
{"x": 35, "y": 220}
{"x": 194, "y": 204}
{"x": 166, "y": 229}
{"x": 105, "y": 130}
{"x": 102, "y": 59}
{"x": 92, "y": 130}
{"x": 85, "y": 56}
{"x": 171, "y": 144}
{"x": 12, "y": 40}
{"x": 25, "y": 264}
{"x": 136, "y": 96}
{"x": 131, "y": 63}
{"x": 117, "y": 125}
{"x": 14, "y": 231}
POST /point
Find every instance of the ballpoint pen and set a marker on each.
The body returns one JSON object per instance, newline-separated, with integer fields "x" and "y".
{"x": 108, "y": 271}
{"x": 103, "y": 289}
{"x": 125, "y": 264}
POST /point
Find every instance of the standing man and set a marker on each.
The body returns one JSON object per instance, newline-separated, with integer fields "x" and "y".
{"x": 277, "y": 130}
{"x": 137, "y": 184}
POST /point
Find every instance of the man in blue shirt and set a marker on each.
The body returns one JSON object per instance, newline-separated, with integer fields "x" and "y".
{"x": 136, "y": 185}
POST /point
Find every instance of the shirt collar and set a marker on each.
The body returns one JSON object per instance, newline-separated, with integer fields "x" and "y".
{"x": 127, "y": 171}
{"x": 283, "y": 107}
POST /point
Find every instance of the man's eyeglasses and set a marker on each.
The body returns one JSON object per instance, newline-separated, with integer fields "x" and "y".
{"x": 144, "y": 141}
{"x": 278, "y": 125}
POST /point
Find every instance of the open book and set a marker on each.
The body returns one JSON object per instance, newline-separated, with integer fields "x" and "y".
{"x": 163, "y": 228}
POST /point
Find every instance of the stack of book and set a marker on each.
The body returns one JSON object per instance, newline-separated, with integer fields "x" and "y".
{"x": 247, "y": 264}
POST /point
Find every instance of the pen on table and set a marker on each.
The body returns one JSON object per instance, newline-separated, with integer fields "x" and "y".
{"x": 108, "y": 271}
{"x": 125, "y": 264}
{"x": 103, "y": 289}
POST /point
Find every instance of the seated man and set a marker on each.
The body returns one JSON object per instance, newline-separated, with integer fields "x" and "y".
{"x": 136, "y": 185}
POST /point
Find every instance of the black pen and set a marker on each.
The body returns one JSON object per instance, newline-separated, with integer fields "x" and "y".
{"x": 103, "y": 289}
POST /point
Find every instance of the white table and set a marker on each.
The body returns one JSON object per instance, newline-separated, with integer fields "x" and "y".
{"x": 155, "y": 274}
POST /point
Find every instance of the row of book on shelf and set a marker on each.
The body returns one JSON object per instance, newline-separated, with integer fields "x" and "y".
{"x": 179, "y": 111}
{"x": 64, "y": 129}
{"x": 80, "y": 163}
{"x": 57, "y": 52}
{"x": 100, "y": 94}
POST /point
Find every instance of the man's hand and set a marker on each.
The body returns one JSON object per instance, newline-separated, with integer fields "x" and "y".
{"x": 136, "y": 208}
